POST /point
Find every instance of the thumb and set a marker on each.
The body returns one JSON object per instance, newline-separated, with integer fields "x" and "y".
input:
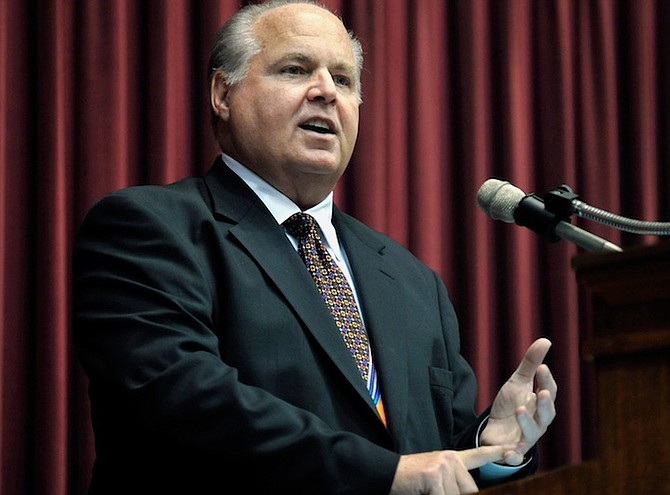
{"x": 533, "y": 358}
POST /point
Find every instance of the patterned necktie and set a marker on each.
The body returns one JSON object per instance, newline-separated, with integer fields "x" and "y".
{"x": 337, "y": 293}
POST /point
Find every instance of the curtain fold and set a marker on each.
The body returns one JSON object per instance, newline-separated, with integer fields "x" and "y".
{"x": 15, "y": 286}
{"x": 98, "y": 95}
{"x": 52, "y": 195}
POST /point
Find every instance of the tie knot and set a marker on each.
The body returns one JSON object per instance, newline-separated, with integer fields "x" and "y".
{"x": 301, "y": 225}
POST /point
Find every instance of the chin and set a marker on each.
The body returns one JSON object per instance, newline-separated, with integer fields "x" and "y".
{"x": 326, "y": 165}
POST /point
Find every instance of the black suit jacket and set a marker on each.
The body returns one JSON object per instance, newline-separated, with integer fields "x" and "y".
{"x": 211, "y": 355}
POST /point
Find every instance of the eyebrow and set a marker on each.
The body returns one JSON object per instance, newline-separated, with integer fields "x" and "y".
{"x": 301, "y": 57}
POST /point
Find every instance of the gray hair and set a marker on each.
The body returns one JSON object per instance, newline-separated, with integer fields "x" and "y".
{"x": 236, "y": 44}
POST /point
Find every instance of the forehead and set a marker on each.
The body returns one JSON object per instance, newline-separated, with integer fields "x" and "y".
{"x": 302, "y": 27}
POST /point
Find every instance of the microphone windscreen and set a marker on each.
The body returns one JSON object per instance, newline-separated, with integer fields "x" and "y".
{"x": 499, "y": 199}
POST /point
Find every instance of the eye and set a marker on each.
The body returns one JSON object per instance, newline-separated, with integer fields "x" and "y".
{"x": 294, "y": 70}
{"x": 342, "y": 80}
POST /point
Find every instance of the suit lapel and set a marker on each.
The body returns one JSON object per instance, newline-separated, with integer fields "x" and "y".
{"x": 377, "y": 287}
{"x": 265, "y": 241}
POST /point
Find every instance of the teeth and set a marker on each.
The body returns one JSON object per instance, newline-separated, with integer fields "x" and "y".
{"x": 318, "y": 123}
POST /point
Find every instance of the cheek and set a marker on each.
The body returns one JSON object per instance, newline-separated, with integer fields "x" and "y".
{"x": 350, "y": 123}
{"x": 254, "y": 119}
{"x": 270, "y": 118}
{"x": 254, "y": 106}
{"x": 352, "y": 115}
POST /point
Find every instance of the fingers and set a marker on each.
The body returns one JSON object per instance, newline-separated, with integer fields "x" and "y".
{"x": 534, "y": 422}
{"x": 531, "y": 430}
{"x": 513, "y": 457}
{"x": 545, "y": 381}
{"x": 474, "y": 458}
{"x": 546, "y": 409}
{"x": 443, "y": 472}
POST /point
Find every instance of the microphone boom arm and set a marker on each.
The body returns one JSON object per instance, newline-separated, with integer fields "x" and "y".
{"x": 619, "y": 222}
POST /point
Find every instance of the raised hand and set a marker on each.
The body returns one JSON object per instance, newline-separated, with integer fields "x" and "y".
{"x": 524, "y": 407}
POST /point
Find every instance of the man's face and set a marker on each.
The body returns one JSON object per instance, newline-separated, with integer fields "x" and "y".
{"x": 294, "y": 118}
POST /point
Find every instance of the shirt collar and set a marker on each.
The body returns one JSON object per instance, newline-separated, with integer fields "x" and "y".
{"x": 281, "y": 207}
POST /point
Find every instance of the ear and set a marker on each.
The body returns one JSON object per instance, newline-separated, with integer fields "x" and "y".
{"x": 219, "y": 95}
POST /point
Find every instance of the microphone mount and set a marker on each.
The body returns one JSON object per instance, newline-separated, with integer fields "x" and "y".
{"x": 543, "y": 215}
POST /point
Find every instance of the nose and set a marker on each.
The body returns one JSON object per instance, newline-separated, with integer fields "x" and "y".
{"x": 322, "y": 87}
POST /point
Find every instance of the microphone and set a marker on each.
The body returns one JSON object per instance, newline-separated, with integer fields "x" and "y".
{"x": 504, "y": 201}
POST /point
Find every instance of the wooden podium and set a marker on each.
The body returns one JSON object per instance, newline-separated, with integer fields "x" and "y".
{"x": 628, "y": 343}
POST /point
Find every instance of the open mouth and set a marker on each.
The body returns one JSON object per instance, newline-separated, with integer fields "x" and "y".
{"x": 319, "y": 126}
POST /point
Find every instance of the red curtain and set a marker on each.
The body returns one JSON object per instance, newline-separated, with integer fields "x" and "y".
{"x": 101, "y": 94}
